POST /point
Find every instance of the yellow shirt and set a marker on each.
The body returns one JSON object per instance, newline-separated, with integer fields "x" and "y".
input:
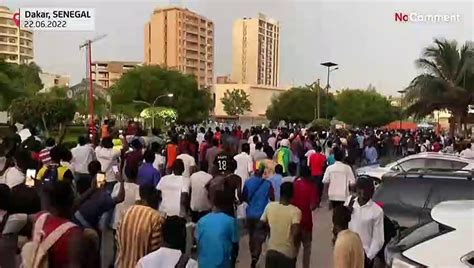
{"x": 281, "y": 218}
{"x": 61, "y": 171}
{"x": 348, "y": 250}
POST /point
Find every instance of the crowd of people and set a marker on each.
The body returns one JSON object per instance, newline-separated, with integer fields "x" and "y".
{"x": 183, "y": 199}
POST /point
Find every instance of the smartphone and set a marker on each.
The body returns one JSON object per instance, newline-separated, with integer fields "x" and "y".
{"x": 30, "y": 177}
{"x": 100, "y": 178}
{"x": 115, "y": 169}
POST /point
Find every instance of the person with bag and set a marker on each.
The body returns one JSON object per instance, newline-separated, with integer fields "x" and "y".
{"x": 56, "y": 241}
{"x": 367, "y": 219}
{"x": 257, "y": 193}
{"x": 54, "y": 171}
{"x": 348, "y": 250}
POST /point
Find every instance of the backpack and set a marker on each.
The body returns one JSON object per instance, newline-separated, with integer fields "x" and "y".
{"x": 51, "y": 174}
{"x": 34, "y": 253}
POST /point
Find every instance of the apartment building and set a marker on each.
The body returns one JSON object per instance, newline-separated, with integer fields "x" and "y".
{"x": 183, "y": 40}
{"x": 106, "y": 73}
{"x": 16, "y": 46}
{"x": 256, "y": 51}
{"x": 50, "y": 80}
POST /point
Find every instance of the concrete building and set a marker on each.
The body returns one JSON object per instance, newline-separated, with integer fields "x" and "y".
{"x": 53, "y": 80}
{"x": 16, "y": 46}
{"x": 183, "y": 40}
{"x": 259, "y": 95}
{"x": 106, "y": 73}
{"x": 256, "y": 51}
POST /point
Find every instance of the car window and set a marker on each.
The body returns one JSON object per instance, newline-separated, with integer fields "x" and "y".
{"x": 444, "y": 164}
{"x": 421, "y": 234}
{"x": 457, "y": 189}
{"x": 403, "y": 193}
{"x": 409, "y": 164}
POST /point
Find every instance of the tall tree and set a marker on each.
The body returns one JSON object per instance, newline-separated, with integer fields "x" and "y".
{"x": 364, "y": 108}
{"x": 236, "y": 102}
{"x": 447, "y": 81}
{"x": 299, "y": 104}
{"x": 152, "y": 84}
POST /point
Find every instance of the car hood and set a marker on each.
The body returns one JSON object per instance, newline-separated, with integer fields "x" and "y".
{"x": 374, "y": 171}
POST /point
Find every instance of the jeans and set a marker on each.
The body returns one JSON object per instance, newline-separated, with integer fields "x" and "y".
{"x": 256, "y": 239}
{"x": 275, "y": 259}
{"x": 306, "y": 239}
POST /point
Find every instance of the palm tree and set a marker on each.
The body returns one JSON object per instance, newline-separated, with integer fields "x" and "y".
{"x": 446, "y": 83}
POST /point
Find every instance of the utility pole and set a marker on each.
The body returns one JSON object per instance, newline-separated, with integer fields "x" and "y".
{"x": 319, "y": 100}
{"x": 328, "y": 65}
{"x": 88, "y": 45}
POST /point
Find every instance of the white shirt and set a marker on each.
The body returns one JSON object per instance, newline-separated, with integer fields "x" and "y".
{"x": 199, "y": 198}
{"x": 188, "y": 163}
{"x": 467, "y": 153}
{"x": 250, "y": 140}
{"x": 13, "y": 177}
{"x": 132, "y": 195}
{"x": 339, "y": 176}
{"x": 81, "y": 157}
{"x": 171, "y": 187}
{"x": 272, "y": 142}
{"x": 308, "y": 155}
{"x": 244, "y": 166}
{"x": 200, "y": 138}
{"x": 107, "y": 158}
{"x": 159, "y": 161}
{"x": 164, "y": 258}
{"x": 367, "y": 221}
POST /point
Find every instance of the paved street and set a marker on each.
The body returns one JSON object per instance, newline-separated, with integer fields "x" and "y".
{"x": 321, "y": 255}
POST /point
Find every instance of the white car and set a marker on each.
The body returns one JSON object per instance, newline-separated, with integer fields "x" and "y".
{"x": 419, "y": 161}
{"x": 447, "y": 241}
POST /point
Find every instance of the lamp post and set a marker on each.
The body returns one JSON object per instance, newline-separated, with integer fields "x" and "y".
{"x": 328, "y": 65}
{"x": 152, "y": 105}
{"x": 403, "y": 91}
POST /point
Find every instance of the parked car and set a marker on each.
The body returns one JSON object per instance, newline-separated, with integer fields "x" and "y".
{"x": 445, "y": 241}
{"x": 408, "y": 197}
{"x": 419, "y": 161}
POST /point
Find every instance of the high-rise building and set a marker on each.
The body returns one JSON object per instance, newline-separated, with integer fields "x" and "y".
{"x": 256, "y": 51}
{"x": 53, "y": 80}
{"x": 183, "y": 40}
{"x": 16, "y": 46}
{"x": 106, "y": 73}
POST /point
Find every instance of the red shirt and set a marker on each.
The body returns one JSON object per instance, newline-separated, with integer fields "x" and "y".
{"x": 317, "y": 162}
{"x": 59, "y": 252}
{"x": 305, "y": 197}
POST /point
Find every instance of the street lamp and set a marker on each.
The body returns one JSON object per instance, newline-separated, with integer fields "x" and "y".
{"x": 328, "y": 65}
{"x": 403, "y": 91}
{"x": 152, "y": 105}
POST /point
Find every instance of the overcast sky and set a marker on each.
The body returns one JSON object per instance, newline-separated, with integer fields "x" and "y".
{"x": 361, "y": 36}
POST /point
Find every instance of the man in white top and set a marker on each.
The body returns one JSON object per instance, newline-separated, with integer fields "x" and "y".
{"x": 468, "y": 152}
{"x": 82, "y": 155}
{"x": 367, "y": 219}
{"x": 170, "y": 253}
{"x": 189, "y": 163}
{"x": 174, "y": 191}
{"x": 108, "y": 157}
{"x": 339, "y": 176}
{"x": 132, "y": 195}
{"x": 200, "y": 204}
{"x": 244, "y": 163}
{"x": 16, "y": 175}
{"x": 201, "y": 136}
{"x": 272, "y": 141}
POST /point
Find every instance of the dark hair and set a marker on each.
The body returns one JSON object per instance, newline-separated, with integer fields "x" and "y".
{"x": 255, "y": 139}
{"x": 155, "y": 147}
{"x": 150, "y": 195}
{"x": 305, "y": 172}
{"x": 136, "y": 144}
{"x": 258, "y": 146}
{"x": 364, "y": 183}
{"x": 292, "y": 167}
{"x": 131, "y": 173}
{"x": 94, "y": 167}
{"x": 174, "y": 232}
{"x": 155, "y": 131}
{"x": 279, "y": 169}
{"x": 341, "y": 216}
{"x": 22, "y": 158}
{"x": 245, "y": 147}
{"x": 178, "y": 167}
{"x": 82, "y": 140}
{"x": 149, "y": 156}
{"x": 5, "y": 197}
{"x": 338, "y": 154}
{"x": 215, "y": 142}
{"x": 222, "y": 199}
{"x": 174, "y": 139}
{"x": 286, "y": 190}
{"x": 319, "y": 149}
{"x": 55, "y": 154}
{"x": 107, "y": 142}
{"x": 468, "y": 146}
{"x": 66, "y": 154}
{"x": 59, "y": 195}
{"x": 50, "y": 142}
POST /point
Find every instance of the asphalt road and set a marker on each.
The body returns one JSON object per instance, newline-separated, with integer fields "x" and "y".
{"x": 321, "y": 255}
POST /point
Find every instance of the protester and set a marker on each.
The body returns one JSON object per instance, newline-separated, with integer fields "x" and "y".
{"x": 171, "y": 153}
{"x": 108, "y": 158}
{"x": 348, "y": 250}
{"x": 133, "y": 158}
{"x": 284, "y": 221}
{"x": 54, "y": 170}
{"x": 283, "y": 155}
{"x": 175, "y": 191}
{"x": 44, "y": 154}
{"x": 211, "y": 154}
{"x": 147, "y": 173}
{"x": 318, "y": 163}
{"x": 277, "y": 180}
{"x": 340, "y": 177}
{"x": 188, "y": 161}
{"x": 244, "y": 163}
{"x": 160, "y": 160}
{"x": 468, "y": 152}
{"x": 257, "y": 193}
{"x": 140, "y": 231}
{"x": 131, "y": 196}
{"x": 259, "y": 154}
{"x": 171, "y": 253}
{"x": 216, "y": 234}
{"x": 200, "y": 204}
{"x": 82, "y": 155}
{"x": 367, "y": 219}
{"x": 306, "y": 199}
{"x": 371, "y": 155}
{"x": 16, "y": 175}
{"x": 291, "y": 176}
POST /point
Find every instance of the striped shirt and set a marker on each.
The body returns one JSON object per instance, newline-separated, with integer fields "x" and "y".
{"x": 138, "y": 234}
{"x": 44, "y": 156}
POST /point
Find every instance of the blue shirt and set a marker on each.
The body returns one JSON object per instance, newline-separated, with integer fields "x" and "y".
{"x": 258, "y": 193}
{"x": 360, "y": 140}
{"x": 215, "y": 234}
{"x": 371, "y": 155}
{"x": 276, "y": 181}
{"x": 331, "y": 159}
{"x": 148, "y": 175}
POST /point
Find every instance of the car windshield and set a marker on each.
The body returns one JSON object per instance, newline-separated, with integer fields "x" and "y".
{"x": 414, "y": 236}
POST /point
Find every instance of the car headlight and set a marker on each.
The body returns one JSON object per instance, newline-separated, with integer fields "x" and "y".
{"x": 400, "y": 262}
